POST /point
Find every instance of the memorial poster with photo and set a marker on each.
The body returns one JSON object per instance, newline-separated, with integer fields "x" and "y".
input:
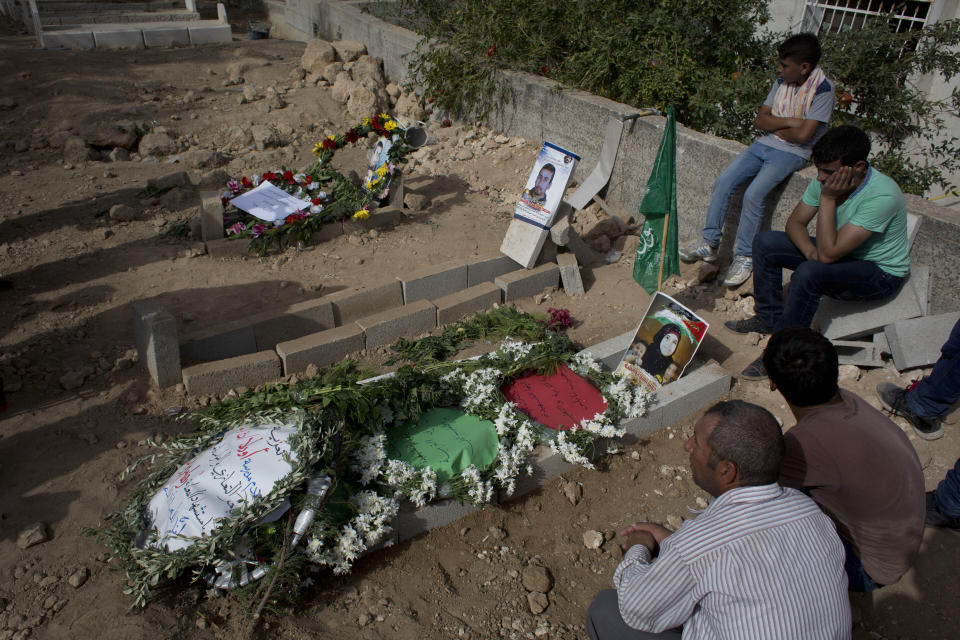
{"x": 664, "y": 343}
{"x": 545, "y": 187}
{"x": 379, "y": 157}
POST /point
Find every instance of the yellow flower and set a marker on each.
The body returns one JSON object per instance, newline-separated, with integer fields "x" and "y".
{"x": 381, "y": 171}
{"x": 384, "y": 116}
{"x": 362, "y": 214}
{"x": 318, "y": 148}
{"x": 366, "y": 122}
{"x": 330, "y": 137}
{"x": 391, "y": 125}
{"x": 371, "y": 184}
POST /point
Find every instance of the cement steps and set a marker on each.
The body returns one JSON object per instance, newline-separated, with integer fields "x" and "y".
{"x": 136, "y": 35}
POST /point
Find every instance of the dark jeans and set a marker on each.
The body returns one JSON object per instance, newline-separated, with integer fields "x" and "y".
{"x": 857, "y": 577}
{"x": 604, "y": 622}
{"x": 937, "y": 392}
{"x": 947, "y": 494}
{"x": 845, "y": 280}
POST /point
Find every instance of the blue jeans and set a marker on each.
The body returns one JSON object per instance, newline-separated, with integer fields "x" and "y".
{"x": 857, "y": 577}
{"x": 765, "y": 167}
{"x": 937, "y": 392}
{"x": 947, "y": 494}
{"x": 845, "y": 280}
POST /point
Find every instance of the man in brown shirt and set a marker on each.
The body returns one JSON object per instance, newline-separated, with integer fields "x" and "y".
{"x": 850, "y": 458}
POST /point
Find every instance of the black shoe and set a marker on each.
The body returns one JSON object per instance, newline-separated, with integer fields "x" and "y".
{"x": 750, "y": 325}
{"x": 894, "y": 398}
{"x": 754, "y": 371}
{"x": 937, "y": 518}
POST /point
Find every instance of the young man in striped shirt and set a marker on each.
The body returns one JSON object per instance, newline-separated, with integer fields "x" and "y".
{"x": 761, "y": 561}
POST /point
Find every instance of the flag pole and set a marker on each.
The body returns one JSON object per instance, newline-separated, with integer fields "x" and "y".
{"x": 663, "y": 250}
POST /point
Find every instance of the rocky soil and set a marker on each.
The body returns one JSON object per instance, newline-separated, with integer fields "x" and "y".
{"x": 81, "y": 133}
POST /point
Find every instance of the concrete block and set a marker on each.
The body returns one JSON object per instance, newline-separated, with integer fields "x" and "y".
{"x": 118, "y": 38}
{"x": 212, "y": 378}
{"x": 486, "y": 269}
{"x": 471, "y": 300}
{"x": 917, "y": 342}
{"x": 411, "y": 521}
{"x": 210, "y": 34}
{"x": 523, "y": 242}
{"x": 68, "y": 40}
{"x": 609, "y": 352}
{"x": 353, "y": 304}
{"x": 570, "y": 273}
{"x": 382, "y": 218}
{"x": 880, "y": 342}
{"x": 528, "y": 282}
{"x": 211, "y": 217}
{"x": 223, "y": 341}
{"x": 839, "y": 319}
{"x": 922, "y": 286}
{"x": 407, "y": 321}
{"x": 859, "y": 353}
{"x": 328, "y": 231}
{"x": 228, "y": 247}
{"x": 434, "y": 282}
{"x": 158, "y": 348}
{"x": 321, "y": 349}
{"x": 295, "y": 321}
{"x": 913, "y": 227}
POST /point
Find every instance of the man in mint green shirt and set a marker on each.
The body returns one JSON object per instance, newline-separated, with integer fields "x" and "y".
{"x": 860, "y": 251}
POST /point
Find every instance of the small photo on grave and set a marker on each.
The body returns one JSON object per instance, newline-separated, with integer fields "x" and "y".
{"x": 545, "y": 187}
{"x": 379, "y": 167}
{"x": 666, "y": 340}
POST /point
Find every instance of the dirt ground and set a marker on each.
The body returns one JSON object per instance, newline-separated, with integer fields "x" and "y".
{"x": 76, "y": 272}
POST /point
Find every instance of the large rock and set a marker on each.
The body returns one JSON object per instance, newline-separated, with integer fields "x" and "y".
{"x": 363, "y": 102}
{"x": 120, "y": 213}
{"x": 32, "y": 535}
{"x": 157, "y": 144}
{"x": 368, "y": 71}
{"x": 203, "y": 159}
{"x": 317, "y": 55}
{"x": 407, "y": 106}
{"x": 349, "y": 50}
{"x": 107, "y": 134}
{"x": 76, "y": 151}
{"x": 330, "y": 71}
{"x": 343, "y": 84}
{"x": 264, "y": 137}
{"x": 536, "y": 579}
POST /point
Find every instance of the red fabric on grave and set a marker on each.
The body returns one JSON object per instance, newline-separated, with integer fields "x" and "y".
{"x": 558, "y": 401}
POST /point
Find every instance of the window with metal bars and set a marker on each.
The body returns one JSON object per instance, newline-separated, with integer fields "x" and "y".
{"x": 836, "y": 16}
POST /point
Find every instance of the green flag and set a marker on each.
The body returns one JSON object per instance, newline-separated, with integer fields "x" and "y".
{"x": 659, "y": 209}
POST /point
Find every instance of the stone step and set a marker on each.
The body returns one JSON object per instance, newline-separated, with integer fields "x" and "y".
{"x": 72, "y": 6}
{"x": 172, "y": 15}
{"x": 136, "y": 35}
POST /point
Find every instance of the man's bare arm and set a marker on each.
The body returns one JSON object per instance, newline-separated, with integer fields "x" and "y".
{"x": 833, "y": 244}
{"x": 766, "y": 121}
{"x": 796, "y": 229}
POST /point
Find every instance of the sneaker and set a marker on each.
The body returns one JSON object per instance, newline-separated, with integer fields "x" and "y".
{"x": 739, "y": 272}
{"x": 699, "y": 250}
{"x": 755, "y": 371}
{"x": 750, "y": 325}
{"x": 894, "y": 398}
{"x": 937, "y": 518}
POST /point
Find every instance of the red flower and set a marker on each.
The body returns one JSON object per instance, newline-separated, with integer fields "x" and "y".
{"x": 307, "y": 180}
{"x": 351, "y": 135}
{"x": 224, "y": 201}
{"x": 328, "y": 144}
{"x": 544, "y": 69}
{"x": 269, "y": 175}
{"x": 246, "y": 184}
{"x": 288, "y": 176}
{"x": 491, "y": 50}
{"x": 316, "y": 201}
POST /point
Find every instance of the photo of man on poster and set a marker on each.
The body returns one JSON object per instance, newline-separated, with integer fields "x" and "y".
{"x": 537, "y": 194}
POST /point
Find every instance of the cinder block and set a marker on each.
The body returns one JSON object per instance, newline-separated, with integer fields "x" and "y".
{"x": 570, "y": 274}
{"x": 166, "y": 36}
{"x": 839, "y": 319}
{"x": 477, "y": 298}
{"x": 917, "y": 342}
{"x": 354, "y": 304}
{"x": 211, "y": 220}
{"x": 211, "y": 378}
{"x": 486, "y": 269}
{"x": 118, "y": 38}
{"x": 293, "y": 322}
{"x": 434, "y": 282}
{"x": 229, "y": 247}
{"x": 210, "y": 34}
{"x": 528, "y": 282}
{"x": 411, "y": 521}
{"x": 158, "y": 348}
{"x": 409, "y": 320}
{"x": 68, "y": 40}
{"x": 227, "y": 340}
{"x": 523, "y": 242}
{"x": 321, "y": 349}
{"x": 859, "y": 353}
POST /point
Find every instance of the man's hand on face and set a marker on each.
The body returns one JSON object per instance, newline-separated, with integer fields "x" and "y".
{"x": 839, "y": 183}
{"x": 648, "y": 534}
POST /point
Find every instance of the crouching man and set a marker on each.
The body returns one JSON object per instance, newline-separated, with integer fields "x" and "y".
{"x": 761, "y": 561}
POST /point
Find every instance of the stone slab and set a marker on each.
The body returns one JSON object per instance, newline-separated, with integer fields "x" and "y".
{"x": 570, "y": 274}
{"x": 219, "y": 377}
{"x": 211, "y": 217}
{"x": 296, "y": 321}
{"x": 528, "y": 282}
{"x": 523, "y": 242}
{"x": 210, "y": 34}
{"x": 68, "y": 40}
{"x": 166, "y": 37}
{"x": 881, "y": 343}
{"x": 913, "y": 227}
{"x": 839, "y": 320}
{"x": 434, "y": 282}
{"x": 158, "y": 347}
{"x": 118, "y": 39}
{"x": 471, "y": 300}
{"x": 917, "y": 342}
{"x": 857, "y": 352}
{"x": 486, "y": 269}
{"x": 353, "y": 304}
{"x": 227, "y": 247}
{"x": 411, "y": 522}
{"x": 409, "y": 320}
{"x": 321, "y": 349}
{"x": 227, "y": 340}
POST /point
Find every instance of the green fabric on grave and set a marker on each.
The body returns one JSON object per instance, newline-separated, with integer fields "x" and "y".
{"x": 446, "y": 440}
